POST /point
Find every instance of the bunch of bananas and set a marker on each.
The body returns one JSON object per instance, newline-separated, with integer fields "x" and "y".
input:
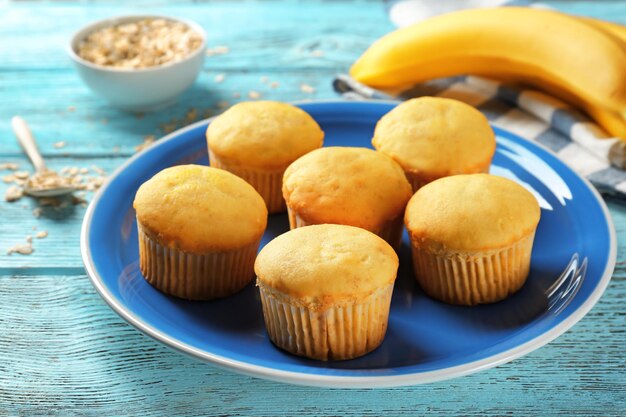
{"x": 580, "y": 60}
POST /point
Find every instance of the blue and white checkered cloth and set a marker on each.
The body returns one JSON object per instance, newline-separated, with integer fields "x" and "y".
{"x": 533, "y": 115}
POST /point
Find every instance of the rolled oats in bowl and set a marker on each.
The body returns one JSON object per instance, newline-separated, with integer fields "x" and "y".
{"x": 143, "y": 43}
{"x": 139, "y": 63}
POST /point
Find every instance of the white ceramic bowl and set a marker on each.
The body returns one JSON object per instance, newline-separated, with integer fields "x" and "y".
{"x": 144, "y": 89}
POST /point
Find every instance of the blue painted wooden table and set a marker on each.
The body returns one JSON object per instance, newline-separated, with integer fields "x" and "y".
{"x": 64, "y": 352}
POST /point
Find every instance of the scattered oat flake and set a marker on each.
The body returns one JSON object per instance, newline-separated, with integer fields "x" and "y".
{"x": 220, "y": 78}
{"x": 9, "y": 166}
{"x": 94, "y": 183}
{"x": 305, "y": 88}
{"x": 29, "y": 239}
{"x": 98, "y": 170}
{"x": 169, "y": 127}
{"x": 42, "y": 235}
{"x": 223, "y": 104}
{"x": 37, "y": 212}
{"x": 13, "y": 193}
{"x": 21, "y": 175}
{"x": 34, "y": 228}
{"x": 8, "y": 178}
{"x": 147, "y": 141}
{"x": 317, "y": 53}
{"x": 21, "y": 248}
{"x": 191, "y": 115}
{"x": 274, "y": 84}
{"x": 58, "y": 145}
{"x": 264, "y": 79}
{"x": 254, "y": 95}
{"x": 83, "y": 170}
{"x": 236, "y": 94}
{"x": 218, "y": 50}
{"x": 71, "y": 109}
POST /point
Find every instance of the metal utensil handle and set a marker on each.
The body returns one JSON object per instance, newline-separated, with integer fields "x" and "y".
{"x": 27, "y": 141}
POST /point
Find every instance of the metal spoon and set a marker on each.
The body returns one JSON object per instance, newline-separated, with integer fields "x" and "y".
{"x": 44, "y": 183}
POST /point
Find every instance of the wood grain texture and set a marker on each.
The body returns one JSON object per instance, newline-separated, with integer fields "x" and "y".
{"x": 64, "y": 352}
{"x": 271, "y": 36}
{"x": 79, "y": 357}
{"x": 94, "y": 129}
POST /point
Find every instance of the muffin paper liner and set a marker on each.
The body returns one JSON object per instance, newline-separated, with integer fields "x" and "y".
{"x": 267, "y": 183}
{"x": 192, "y": 276}
{"x": 391, "y": 231}
{"x": 341, "y": 332}
{"x": 469, "y": 278}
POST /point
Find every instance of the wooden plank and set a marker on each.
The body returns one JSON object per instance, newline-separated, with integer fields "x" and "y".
{"x": 51, "y": 97}
{"x": 268, "y": 36}
{"x": 58, "y": 107}
{"x": 272, "y": 35}
{"x": 65, "y": 352}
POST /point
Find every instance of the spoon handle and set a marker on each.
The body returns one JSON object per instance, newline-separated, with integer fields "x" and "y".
{"x": 27, "y": 141}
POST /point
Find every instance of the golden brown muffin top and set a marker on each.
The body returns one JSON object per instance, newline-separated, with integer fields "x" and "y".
{"x": 474, "y": 212}
{"x": 200, "y": 209}
{"x": 355, "y": 186}
{"x": 325, "y": 265}
{"x": 263, "y": 134}
{"x": 435, "y": 137}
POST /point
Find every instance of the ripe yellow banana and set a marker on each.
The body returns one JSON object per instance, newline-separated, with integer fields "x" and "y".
{"x": 538, "y": 47}
{"x": 612, "y": 122}
{"x": 616, "y": 30}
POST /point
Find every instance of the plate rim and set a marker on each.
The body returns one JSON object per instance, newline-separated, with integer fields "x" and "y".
{"x": 335, "y": 381}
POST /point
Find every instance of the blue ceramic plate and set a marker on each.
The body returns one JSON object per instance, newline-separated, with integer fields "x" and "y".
{"x": 572, "y": 261}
